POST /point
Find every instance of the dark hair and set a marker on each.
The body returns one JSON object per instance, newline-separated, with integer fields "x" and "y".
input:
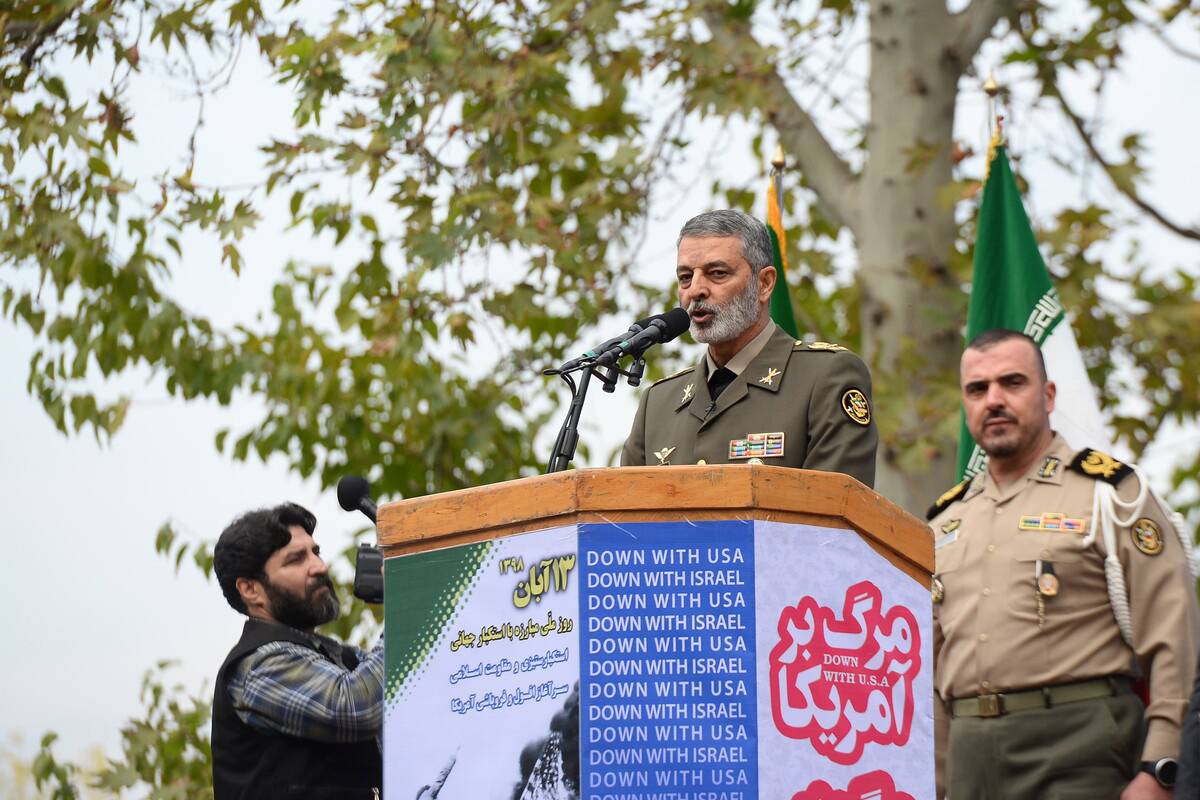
{"x": 245, "y": 545}
{"x": 994, "y": 336}
{"x": 756, "y": 242}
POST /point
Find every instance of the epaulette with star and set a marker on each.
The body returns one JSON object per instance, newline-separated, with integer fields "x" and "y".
{"x": 1100, "y": 466}
{"x": 946, "y": 499}
{"x": 675, "y": 375}
{"x": 825, "y": 347}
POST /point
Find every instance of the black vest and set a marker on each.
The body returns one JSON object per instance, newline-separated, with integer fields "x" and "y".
{"x": 249, "y": 764}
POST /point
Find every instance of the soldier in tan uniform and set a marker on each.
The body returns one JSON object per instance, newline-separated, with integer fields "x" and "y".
{"x": 757, "y": 396}
{"x": 1059, "y": 579}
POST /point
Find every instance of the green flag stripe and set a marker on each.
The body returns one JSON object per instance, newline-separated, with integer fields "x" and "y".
{"x": 1010, "y": 286}
{"x": 781, "y": 299}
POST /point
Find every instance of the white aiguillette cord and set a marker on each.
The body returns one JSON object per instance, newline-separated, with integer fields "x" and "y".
{"x": 1105, "y": 509}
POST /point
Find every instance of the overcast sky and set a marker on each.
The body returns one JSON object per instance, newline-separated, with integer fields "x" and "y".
{"x": 89, "y": 606}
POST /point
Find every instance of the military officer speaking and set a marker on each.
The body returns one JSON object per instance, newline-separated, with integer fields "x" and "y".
{"x": 758, "y": 396}
{"x": 1059, "y": 578}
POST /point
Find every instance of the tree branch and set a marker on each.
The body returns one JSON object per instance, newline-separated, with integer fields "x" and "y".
{"x": 827, "y": 174}
{"x": 42, "y": 34}
{"x": 1124, "y": 187}
{"x": 975, "y": 23}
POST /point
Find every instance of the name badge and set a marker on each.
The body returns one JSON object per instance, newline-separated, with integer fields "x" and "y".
{"x": 949, "y": 538}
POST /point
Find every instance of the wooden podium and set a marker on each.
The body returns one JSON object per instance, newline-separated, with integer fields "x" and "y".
{"x": 702, "y": 632}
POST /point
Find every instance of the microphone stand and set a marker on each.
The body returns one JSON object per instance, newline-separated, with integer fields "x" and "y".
{"x": 568, "y": 434}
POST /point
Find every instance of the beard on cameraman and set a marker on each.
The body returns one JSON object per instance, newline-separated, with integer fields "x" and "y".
{"x": 295, "y": 713}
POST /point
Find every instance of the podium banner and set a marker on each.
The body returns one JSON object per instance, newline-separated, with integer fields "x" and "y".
{"x": 706, "y": 660}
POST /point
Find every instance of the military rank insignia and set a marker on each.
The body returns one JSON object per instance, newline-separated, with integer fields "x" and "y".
{"x": 948, "y": 498}
{"x": 1052, "y": 521}
{"x": 1147, "y": 537}
{"x": 828, "y": 346}
{"x": 1100, "y": 466}
{"x": 1049, "y": 467}
{"x": 757, "y": 446}
{"x": 855, "y": 404}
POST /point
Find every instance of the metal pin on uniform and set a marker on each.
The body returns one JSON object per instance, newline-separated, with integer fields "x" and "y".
{"x": 1045, "y": 585}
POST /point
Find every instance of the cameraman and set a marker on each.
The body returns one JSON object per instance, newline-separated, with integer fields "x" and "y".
{"x": 295, "y": 714}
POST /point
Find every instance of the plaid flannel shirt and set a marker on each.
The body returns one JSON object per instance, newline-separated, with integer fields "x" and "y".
{"x": 287, "y": 688}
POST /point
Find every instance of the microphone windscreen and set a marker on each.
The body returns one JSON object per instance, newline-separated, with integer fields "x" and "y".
{"x": 644, "y": 323}
{"x": 677, "y": 321}
{"x": 351, "y": 490}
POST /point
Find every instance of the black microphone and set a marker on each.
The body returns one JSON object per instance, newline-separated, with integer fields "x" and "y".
{"x": 354, "y": 494}
{"x": 598, "y": 349}
{"x": 662, "y": 328}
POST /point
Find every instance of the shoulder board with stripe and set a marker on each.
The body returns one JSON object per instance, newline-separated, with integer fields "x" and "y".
{"x": 672, "y": 377}
{"x": 949, "y": 497}
{"x": 1100, "y": 466}
{"x": 819, "y": 347}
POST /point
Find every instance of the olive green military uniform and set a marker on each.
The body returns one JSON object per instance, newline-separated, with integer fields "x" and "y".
{"x": 1021, "y": 603}
{"x": 793, "y": 405}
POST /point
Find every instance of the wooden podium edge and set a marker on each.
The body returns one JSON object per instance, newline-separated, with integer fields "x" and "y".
{"x": 778, "y": 494}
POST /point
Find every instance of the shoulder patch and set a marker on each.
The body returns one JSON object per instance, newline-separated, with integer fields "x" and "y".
{"x": 946, "y": 499}
{"x": 673, "y": 376}
{"x": 1100, "y": 466}
{"x": 827, "y": 347}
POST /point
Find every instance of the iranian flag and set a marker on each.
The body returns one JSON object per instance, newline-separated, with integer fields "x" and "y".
{"x": 1011, "y": 289}
{"x": 781, "y": 300}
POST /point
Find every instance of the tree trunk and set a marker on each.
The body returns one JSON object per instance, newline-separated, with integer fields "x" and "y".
{"x": 905, "y": 232}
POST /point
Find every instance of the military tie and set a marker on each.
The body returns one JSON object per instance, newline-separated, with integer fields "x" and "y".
{"x": 718, "y": 380}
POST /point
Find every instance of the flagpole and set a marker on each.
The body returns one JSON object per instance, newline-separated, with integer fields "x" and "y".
{"x": 995, "y": 123}
{"x": 777, "y": 164}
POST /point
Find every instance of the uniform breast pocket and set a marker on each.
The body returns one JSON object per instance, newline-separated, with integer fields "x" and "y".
{"x": 1059, "y": 550}
{"x": 948, "y": 554}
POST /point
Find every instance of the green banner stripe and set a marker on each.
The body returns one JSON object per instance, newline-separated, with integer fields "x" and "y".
{"x": 427, "y": 590}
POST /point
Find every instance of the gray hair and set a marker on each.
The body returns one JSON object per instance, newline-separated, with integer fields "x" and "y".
{"x": 756, "y": 241}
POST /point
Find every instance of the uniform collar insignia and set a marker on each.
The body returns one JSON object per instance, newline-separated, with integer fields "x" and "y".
{"x": 1049, "y": 467}
{"x": 773, "y": 356}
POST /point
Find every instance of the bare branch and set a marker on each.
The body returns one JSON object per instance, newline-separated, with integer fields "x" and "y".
{"x": 44, "y": 33}
{"x": 827, "y": 174}
{"x": 975, "y": 23}
{"x": 1124, "y": 187}
{"x": 1160, "y": 32}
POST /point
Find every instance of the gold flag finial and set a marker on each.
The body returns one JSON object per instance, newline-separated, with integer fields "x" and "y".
{"x": 990, "y": 86}
{"x": 996, "y": 122}
{"x": 777, "y": 160}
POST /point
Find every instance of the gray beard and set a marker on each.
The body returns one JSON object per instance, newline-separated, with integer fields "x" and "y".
{"x": 730, "y": 319}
